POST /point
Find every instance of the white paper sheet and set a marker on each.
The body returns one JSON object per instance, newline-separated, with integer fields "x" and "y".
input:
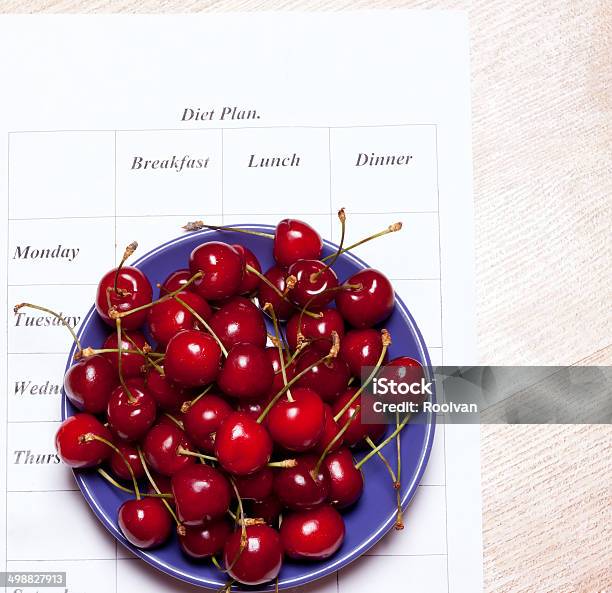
{"x": 83, "y": 97}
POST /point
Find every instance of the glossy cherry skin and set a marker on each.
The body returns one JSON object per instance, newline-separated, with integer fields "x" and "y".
{"x": 134, "y": 290}
{"x": 368, "y": 305}
{"x": 361, "y": 348}
{"x": 206, "y": 540}
{"x": 346, "y": 482}
{"x": 74, "y": 450}
{"x": 250, "y": 281}
{"x": 297, "y": 425}
{"x": 358, "y": 431}
{"x": 203, "y": 419}
{"x": 177, "y": 281}
{"x": 201, "y": 493}
{"x": 247, "y": 372}
{"x": 166, "y": 394}
{"x": 295, "y": 240}
{"x": 330, "y": 430}
{"x": 117, "y": 463}
{"x": 130, "y": 420}
{"x": 161, "y": 449}
{"x": 257, "y": 486}
{"x": 261, "y": 559}
{"x": 88, "y": 383}
{"x": 242, "y": 446}
{"x": 314, "y": 283}
{"x": 405, "y": 370}
{"x": 222, "y": 268}
{"x": 252, "y": 407}
{"x": 318, "y": 330}
{"x": 283, "y": 308}
{"x": 167, "y": 318}
{"x": 268, "y": 509}
{"x": 314, "y": 534}
{"x": 298, "y": 487}
{"x": 193, "y": 358}
{"x": 131, "y": 362}
{"x": 145, "y": 523}
{"x": 329, "y": 378}
{"x": 239, "y": 321}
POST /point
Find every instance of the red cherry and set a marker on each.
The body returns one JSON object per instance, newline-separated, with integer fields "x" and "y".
{"x": 282, "y": 307}
{"x": 133, "y": 290}
{"x": 299, "y": 487}
{"x": 201, "y": 493}
{"x": 295, "y": 240}
{"x": 167, "y": 318}
{"x": 252, "y": 407}
{"x": 250, "y": 281}
{"x": 130, "y": 420}
{"x": 358, "y": 431}
{"x": 260, "y": 561}
{"x": 222, "y": 268}
{"x": 247, "y": 372}
{"x": 313, "y": 283}
{"x": 203, "y": 418}
{"x": 369, "y": 304}
{"x": 145, "y": 523}
{"x": 239, "y": 321}
{"x": 361, "y": 348}
{"x": 131, "y": 362}
{"x": 161, "y": 449}
{"x": 176, "y": 281}
{"x": 405, "y": 370}
{"x": 164, "y": 485}
{"x": 330, "y": 430}
{"x": 166, "y": 394}
{"x": 73, "y": 448}
{"x": 278, "y": 382}
{"x": 117, "y": 463}
{"x": 297, "y": 425}
{"x": 319, "y": 330}
{"x": 257, "y": 486}
{"x": 346, "y": 482}
{"x": 242, "y": 446}
{"x": 328, "y": 378}
{"x": 203, "y": 541}
{"x": 315, "y": 534}
{"x": 193, "y": 358}
{"x": 88, "y": 383}
{"x": 268, "y": 509}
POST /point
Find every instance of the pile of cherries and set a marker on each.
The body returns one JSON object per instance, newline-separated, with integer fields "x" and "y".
{"x": 231, "y": 405}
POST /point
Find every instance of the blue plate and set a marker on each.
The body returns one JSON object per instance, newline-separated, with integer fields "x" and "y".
{"x": 366, "y": 522}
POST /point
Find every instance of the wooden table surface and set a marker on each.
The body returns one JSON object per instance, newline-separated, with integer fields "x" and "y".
{"x": 541, "y": 107}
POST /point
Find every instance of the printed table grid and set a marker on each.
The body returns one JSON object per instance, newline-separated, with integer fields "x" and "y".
{"x": 116, "y": 217}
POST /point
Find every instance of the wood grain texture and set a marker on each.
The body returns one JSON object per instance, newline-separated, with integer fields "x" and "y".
{"x": 541, "y": 103}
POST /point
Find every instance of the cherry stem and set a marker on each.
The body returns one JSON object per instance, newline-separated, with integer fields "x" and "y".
{"x": 186, "y": 405}
{"x": 372, "y": 445}
{"x": 129, "y": 250}
{"x": 333, "y": 352}
{"x": 336, "y": 438}
{"x": 270, "y": 310}
{"x": 342, "y": 216}
{"x": 386, "y": 342}
{"x": 116, "y": 484}
{"x": 390, "y": 229}
{"x": 276, "y": 290}
{"x": 56, "y": 315}
{"x": 243, "y": 534}
{"x": 90, "y": 436}
{"x": 399, "y": 523}
{"x": 115, "y": 314}
{"x": 179, "y": 526}
{"x": 88, "y": 351}
{"x": 144, "y": 352}
{"x": 285, "y": 463}
{"x": 201, "y": 320}
{"x": 227, "y": 588}
{"x": 175, "y": 420}
{"x": 384, "y": 443}
{"x": 130, "y": 397}
{"x": 188, "y": 453}
{"x": 198, "y": 225}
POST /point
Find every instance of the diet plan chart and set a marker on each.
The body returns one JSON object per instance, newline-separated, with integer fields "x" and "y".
{"x": 117, "y": 129}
